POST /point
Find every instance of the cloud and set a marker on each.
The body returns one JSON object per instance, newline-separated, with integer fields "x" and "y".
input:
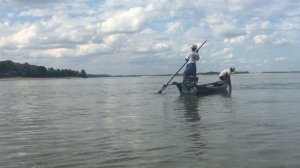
{"x": 289, "y": 25}
{"x": 56, "y": 52}
{"x": 129, "y": 21}
{"x": 271, "y": 40}
{"x": 34, "y": 2}
{"x": 161, "y": 46}
{"x": 283, "y": 42}
{"x": 137, "y": 34}
{"x": 174, "y": 27}
{"x": 235, "y": 40}
{"x": 226, "y": 53}
{"x": 258, "y": 25}
{"x": 224, "y": 26}
{"x": 262, "y": 39}
{"x": 215, "y": 19}
{"x": 36, "y": 13}
{"x": 20, "y": 38}
{"x": 280, "y": 58}
{"x": 24, "y": 36}
{"x": 229, "y": 30}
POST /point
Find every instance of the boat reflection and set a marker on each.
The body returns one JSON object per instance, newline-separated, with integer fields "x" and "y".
{"x": 192, "y": 125}
{"x": 194, "y": 108}
{"x": 191, "y": 105}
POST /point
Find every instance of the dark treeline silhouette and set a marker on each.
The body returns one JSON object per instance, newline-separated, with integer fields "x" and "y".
{"x": 11, "y": 69}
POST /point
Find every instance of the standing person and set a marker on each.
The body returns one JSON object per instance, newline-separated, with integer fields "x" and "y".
{"x": 191, "y": 68}
{"x": 225, "y": 76}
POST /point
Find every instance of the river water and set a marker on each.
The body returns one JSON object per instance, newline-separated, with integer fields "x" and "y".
{"x": 121, "y": 122}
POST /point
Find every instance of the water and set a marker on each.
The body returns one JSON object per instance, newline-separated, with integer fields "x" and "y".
{"x": 120, "y": 122}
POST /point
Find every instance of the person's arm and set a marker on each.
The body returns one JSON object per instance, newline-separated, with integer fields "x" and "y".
{"x": 187, "y": 57}
{"x": 229, "y": 82}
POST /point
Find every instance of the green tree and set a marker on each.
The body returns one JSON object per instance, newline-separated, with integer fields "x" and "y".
{"x": 42, "y": 71}
{"x": 10, "y": 69}
{"x": 25, "y": 70}
{"x": 51, "y": 72}
{"x": 83, "y": 74}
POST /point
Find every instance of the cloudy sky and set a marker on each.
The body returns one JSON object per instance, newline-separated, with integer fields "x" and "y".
{"x": 151, "y": 36}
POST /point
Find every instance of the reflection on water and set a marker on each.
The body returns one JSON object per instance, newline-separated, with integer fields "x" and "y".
{"x": 96, "y": 123}
{"x": 192, "y": 125}
{"x": 191, "y": 105}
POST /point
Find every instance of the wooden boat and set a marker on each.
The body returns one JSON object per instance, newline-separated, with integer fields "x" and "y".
{"x": 204, "y": 89}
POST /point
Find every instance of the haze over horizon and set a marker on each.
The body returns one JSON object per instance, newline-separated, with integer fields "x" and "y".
{"x": 151, "y": 36}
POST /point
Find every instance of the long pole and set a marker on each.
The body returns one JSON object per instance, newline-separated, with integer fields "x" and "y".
{"x": 166, "y": 85}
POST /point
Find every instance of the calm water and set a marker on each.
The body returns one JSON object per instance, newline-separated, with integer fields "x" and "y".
{"x": 120, "y": 122}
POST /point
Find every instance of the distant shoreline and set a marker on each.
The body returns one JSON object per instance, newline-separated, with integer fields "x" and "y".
{"x": 282, "y": 72}
{"x": 37, "y": 78}
{"x": 203, "y": 73}
{"x": 12, "y": 69}
{"x": 114, "y": 76}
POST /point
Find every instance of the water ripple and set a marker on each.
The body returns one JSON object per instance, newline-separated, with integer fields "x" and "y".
{"x": 119, "y": 122}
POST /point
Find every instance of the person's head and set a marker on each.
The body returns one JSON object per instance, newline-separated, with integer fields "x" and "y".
{"x": 232, "y": 69}
{"x": 194, "y": 47}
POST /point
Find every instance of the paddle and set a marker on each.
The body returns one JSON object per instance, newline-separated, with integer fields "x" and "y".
{"x": 166, "y": 85}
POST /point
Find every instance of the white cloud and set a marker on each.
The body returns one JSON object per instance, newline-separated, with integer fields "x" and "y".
{"x": 235, "y": 40}
{"x": 289, "y": 26}
{"x": 280, "y": 58}
{"x": 33, "y": 2}
{"x": 3, "y": 42}
{"x": 24, "y": 36}
{"x": 35, "y": 12}
{"x": 86, "y": 49}
{"x": 144, "y": 32}
{"x": 229, "y": 30}
{"x": 258, "y": 25}
{"x": 57, "y": 52}
{"x": 283, "y": 42}
{"x": 226, "y": 53}
{"x": 224, "y": 26}
{"x": 174, "y": 27}
{"x": 215, "y": 19}
{"x": 262, "y": 39}
{"x": 237, "y": 5}
{"x": 161, "y": 46}
{"x": 132, "y": 20}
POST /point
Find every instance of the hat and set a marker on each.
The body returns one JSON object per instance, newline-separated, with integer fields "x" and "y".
{"x": 194, "y": 47}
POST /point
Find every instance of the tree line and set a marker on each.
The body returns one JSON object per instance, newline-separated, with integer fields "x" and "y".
{"x": 11, "y": 69}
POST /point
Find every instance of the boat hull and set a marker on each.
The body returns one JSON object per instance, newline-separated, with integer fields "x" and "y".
{"x": 205, "y": 89}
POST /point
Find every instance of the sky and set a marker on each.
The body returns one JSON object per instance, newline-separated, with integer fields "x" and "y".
{"x": 148, "y": 37}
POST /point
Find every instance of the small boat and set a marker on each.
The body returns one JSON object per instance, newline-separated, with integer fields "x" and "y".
{"x": 204, "y": 89}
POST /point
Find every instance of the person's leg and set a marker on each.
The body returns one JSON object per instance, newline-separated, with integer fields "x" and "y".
{"x": 229, "y": 82}
{"x": 227, "y": 79}
{"x": 185, "y": 73}
{"x": 192, "y": 70}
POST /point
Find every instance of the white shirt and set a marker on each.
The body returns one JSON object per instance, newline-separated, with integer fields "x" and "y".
{"x": 192, "y": 57}
{"x": 225, "y": 71}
